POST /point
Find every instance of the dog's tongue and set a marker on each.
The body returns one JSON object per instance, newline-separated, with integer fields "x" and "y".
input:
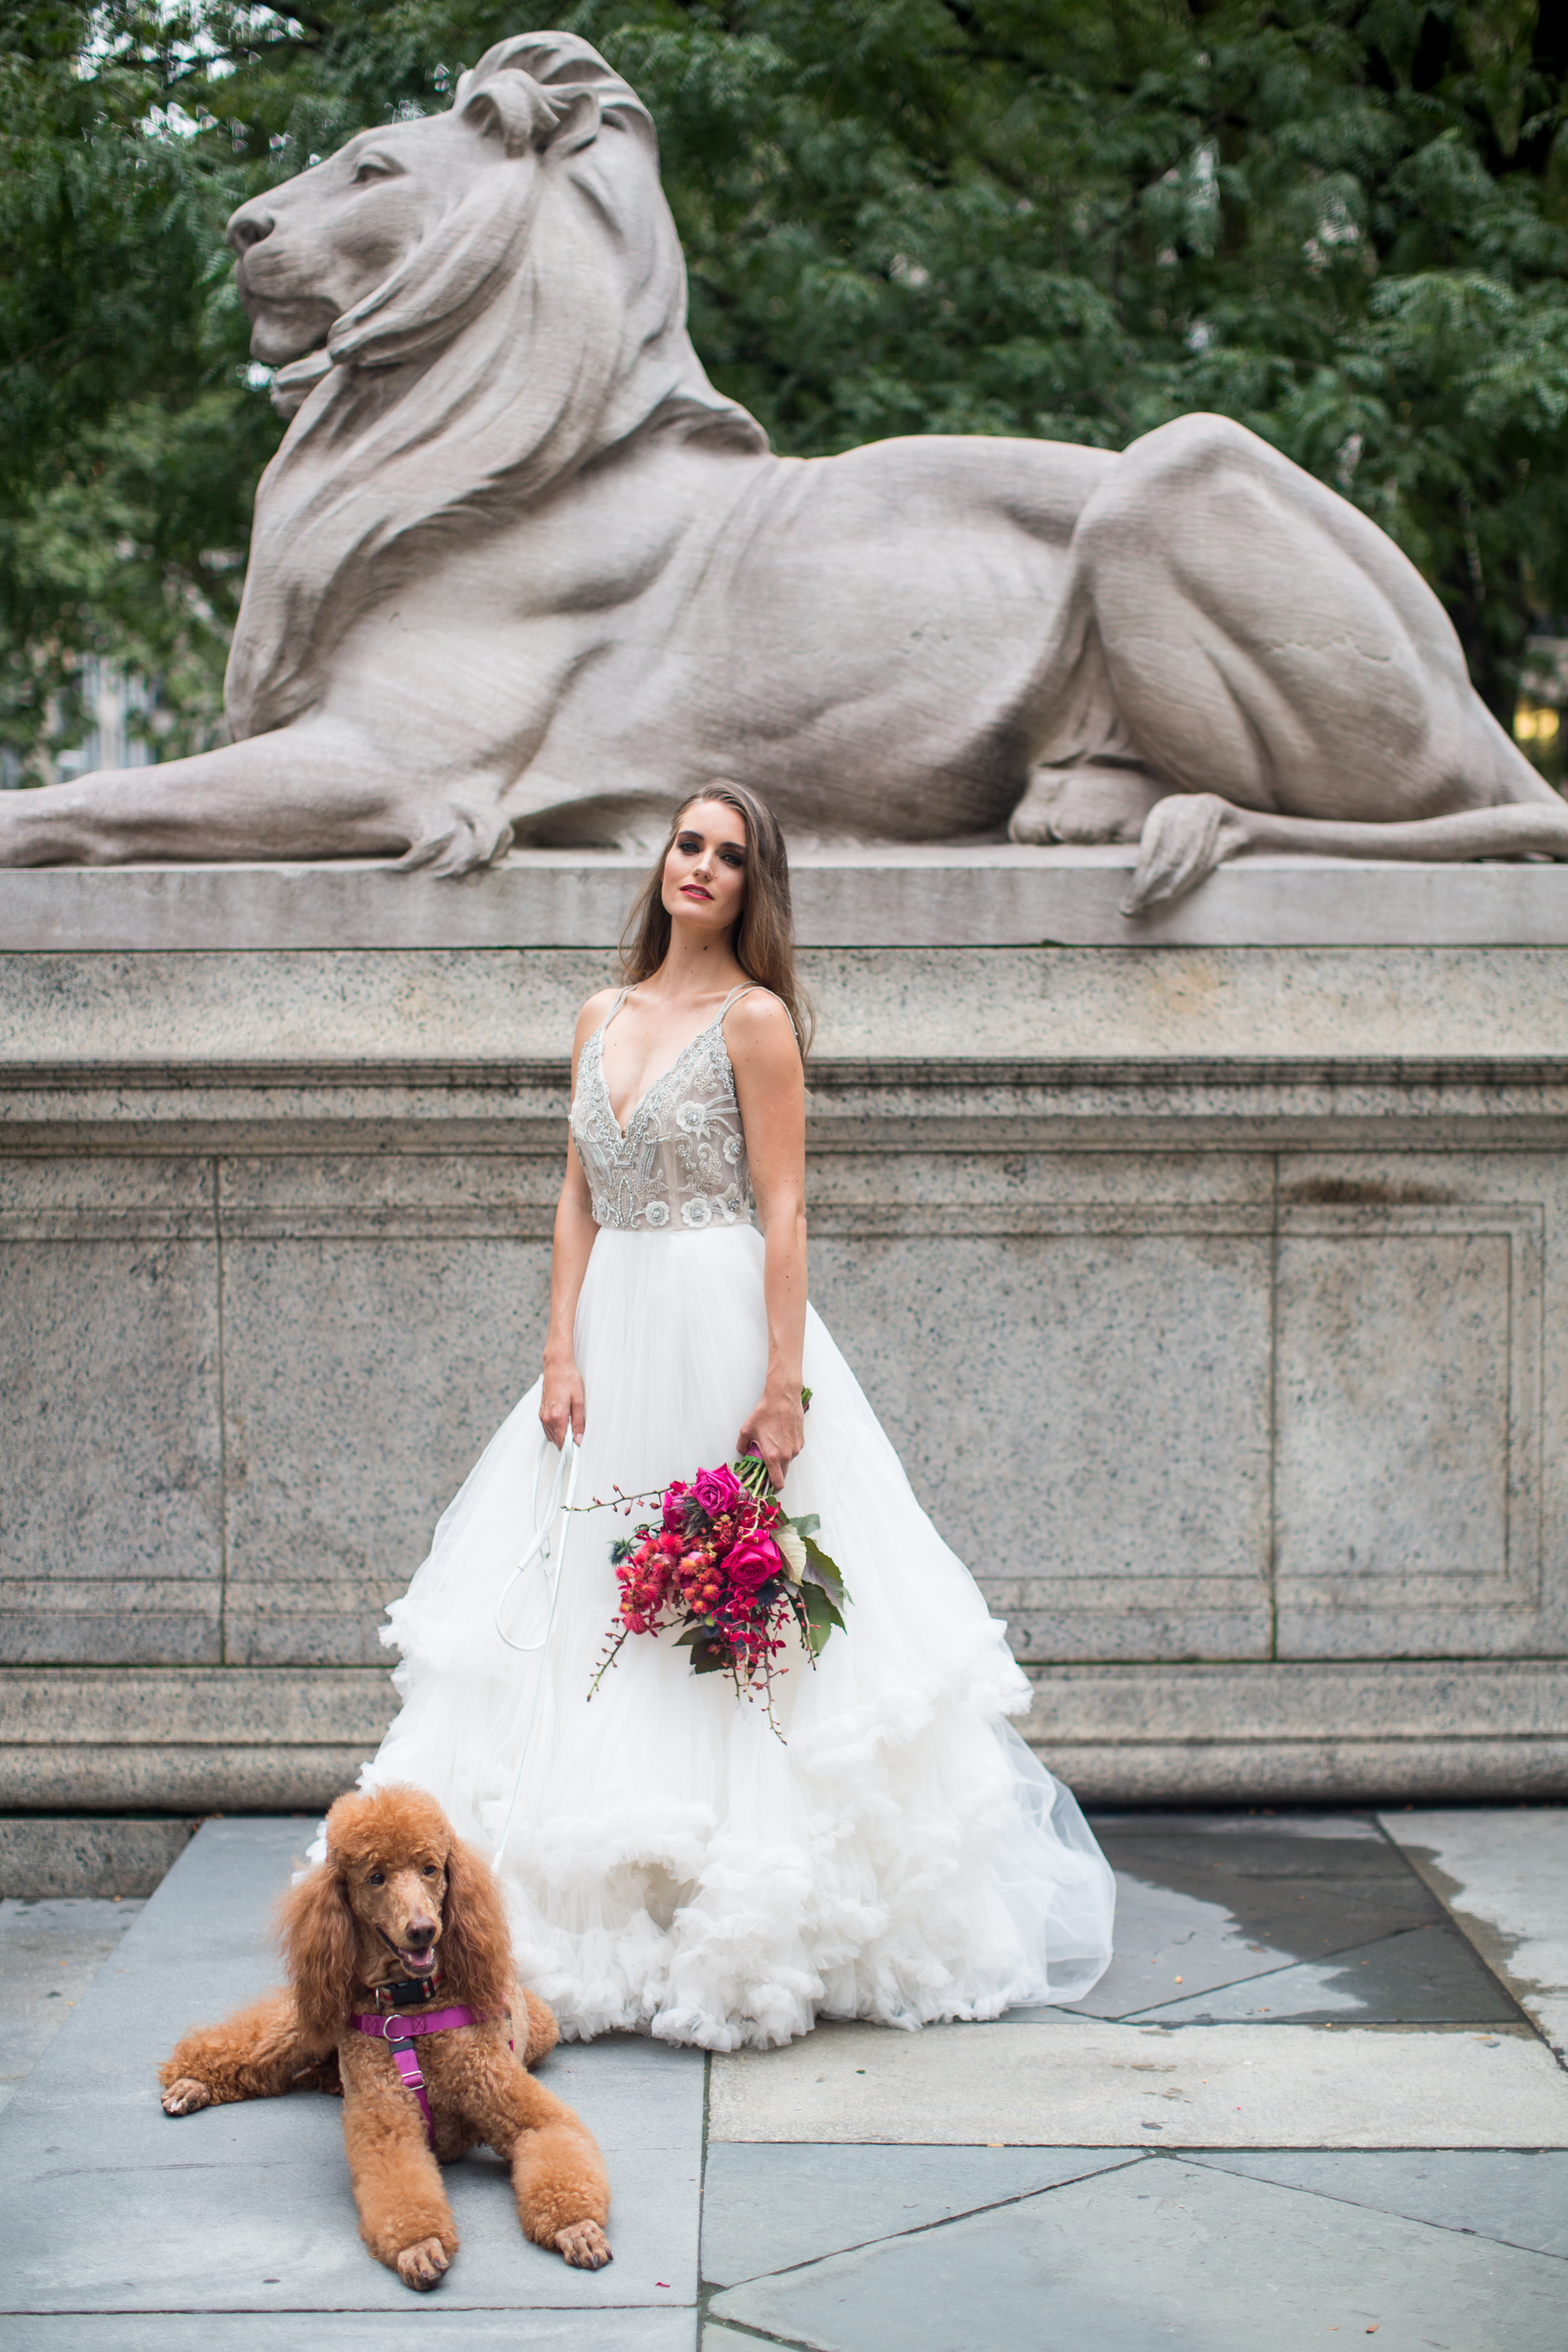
{"x": 420, "y": 1964}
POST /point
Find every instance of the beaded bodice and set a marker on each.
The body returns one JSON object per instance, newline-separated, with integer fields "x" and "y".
{"x": 679, "y": 1162}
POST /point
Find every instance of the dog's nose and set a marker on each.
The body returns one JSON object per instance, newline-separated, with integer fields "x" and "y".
{"x": 247, "y": 227}
{"x": 421, "y": 1932}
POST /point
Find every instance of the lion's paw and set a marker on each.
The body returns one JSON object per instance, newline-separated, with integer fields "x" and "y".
{"x": 464, "y": 838}
{"x": 1185, "y": 839}
{"x": 1087, "y": 805}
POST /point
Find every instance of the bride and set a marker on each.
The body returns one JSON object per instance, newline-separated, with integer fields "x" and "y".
{"x": 673, "y": 1863}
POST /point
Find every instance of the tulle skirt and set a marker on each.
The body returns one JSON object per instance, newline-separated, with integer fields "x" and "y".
{"x": 674, "y": 1864}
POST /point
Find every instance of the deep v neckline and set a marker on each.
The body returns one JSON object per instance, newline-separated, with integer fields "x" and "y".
{"x": 624, "y": 1130}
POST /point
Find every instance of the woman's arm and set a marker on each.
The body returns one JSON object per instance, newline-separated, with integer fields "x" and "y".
{"x": 563, "y": 1401}
{"x": 770, "y": 1087}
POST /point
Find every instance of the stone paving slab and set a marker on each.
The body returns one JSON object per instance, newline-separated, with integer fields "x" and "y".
{"x": 51, "y": 1951}
{"x": 1503, "y": 1872}
{"x": 767, "y": 2208}
{"x": 1169, "y": 1943}
{"x": 1210, "y": 1899}
{"x": 113, "y": 2207}
{"x": 1424, "y": 1976}
{"x": 1094, "y": 2083}
{"x": 1169, "y": 2254}
{"x": 427, "y": 2328}
{"x": 1516, "y": 2195}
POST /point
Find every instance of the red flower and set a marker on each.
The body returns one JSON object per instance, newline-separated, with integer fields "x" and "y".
{"x": 750, "y": 1563}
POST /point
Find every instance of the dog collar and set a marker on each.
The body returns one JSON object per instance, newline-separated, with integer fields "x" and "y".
{"x": 417, "y": 1988}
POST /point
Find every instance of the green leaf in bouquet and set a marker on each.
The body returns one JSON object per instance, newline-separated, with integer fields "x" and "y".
{"x": 824, "y": 1572}
{"x": 821, "y": 1616}
{"x": 709, "y": 1661}
{"x": 805, "y": 1526}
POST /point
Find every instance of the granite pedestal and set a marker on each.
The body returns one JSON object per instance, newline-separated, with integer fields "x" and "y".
{"x": 1212, "y": 1290}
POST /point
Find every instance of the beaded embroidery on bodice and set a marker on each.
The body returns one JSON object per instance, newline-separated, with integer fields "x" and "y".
{"x": 680, "y": 1160}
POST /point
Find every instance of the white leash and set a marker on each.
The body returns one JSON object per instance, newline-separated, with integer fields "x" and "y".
{"x": 540, "y": 1550}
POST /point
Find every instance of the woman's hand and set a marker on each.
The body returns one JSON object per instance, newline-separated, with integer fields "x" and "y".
{"x": 563, "y": 1402}
{"x": 775, "y": 1429}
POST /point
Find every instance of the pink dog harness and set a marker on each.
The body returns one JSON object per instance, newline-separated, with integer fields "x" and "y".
{"x": 405, "y": 2057}
{"x": 398, "y": 2032}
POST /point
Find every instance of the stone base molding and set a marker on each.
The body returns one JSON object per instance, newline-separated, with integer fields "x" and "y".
{"x": 169, "y": 1739}
{"x": 177, "y": 1741}
{"x": 46, "y": 1855}
{"x": 912, "y": 895}
{"x": 1331, "y": 1734}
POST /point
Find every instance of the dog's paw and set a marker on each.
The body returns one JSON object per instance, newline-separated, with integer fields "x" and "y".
{"x": 186, "y": 2097}
{"x": 424, "y": 2266}
{"x": 584, "y": 2246}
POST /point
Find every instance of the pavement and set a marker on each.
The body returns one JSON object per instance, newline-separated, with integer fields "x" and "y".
{"x": 49, "y": 1954}
{"x": 1320, "y": 2092}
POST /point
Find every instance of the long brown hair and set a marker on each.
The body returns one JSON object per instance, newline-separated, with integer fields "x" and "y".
{"x": 765, "y": 935}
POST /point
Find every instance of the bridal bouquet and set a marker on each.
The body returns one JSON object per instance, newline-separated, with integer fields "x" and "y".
{"x": 723, "y": 1562}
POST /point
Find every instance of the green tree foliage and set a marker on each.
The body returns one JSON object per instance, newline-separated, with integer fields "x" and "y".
{"x": 1343, "y": 222}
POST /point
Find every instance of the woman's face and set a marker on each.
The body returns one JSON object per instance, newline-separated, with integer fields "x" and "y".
{"x": 705, "y": 868}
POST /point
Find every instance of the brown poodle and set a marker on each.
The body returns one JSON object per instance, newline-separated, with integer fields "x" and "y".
{"x": 403, "y": 1916}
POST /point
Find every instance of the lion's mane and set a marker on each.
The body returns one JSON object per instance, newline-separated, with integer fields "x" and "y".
{"x": 539, "y": 322}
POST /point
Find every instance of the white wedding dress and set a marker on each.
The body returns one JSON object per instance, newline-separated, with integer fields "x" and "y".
{"x": 673, "y": 1865}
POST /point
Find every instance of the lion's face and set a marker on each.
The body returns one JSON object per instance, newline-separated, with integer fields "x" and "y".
{"x": 462, "y": 311}
{"x": 311, "y": 248}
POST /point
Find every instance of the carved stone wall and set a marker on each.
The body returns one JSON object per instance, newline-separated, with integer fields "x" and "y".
{"x": 1226, "y": 1344}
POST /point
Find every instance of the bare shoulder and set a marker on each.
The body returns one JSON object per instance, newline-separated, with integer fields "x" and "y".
{"x": 592, "y": 1012}
{"x": 760, "y": 1041}
{"x": 757, "y": 1025}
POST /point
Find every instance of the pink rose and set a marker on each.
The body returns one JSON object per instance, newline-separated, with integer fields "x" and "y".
{"x": 717, "y": 1491}
{"x": 751, "y": 1563}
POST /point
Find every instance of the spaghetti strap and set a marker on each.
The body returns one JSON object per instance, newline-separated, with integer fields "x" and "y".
{"x": 612, "y": 1011}
{"x": 746, "y": 989}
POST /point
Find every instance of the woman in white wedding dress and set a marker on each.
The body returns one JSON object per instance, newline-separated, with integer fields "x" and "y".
{"x": 672, "y": 1864}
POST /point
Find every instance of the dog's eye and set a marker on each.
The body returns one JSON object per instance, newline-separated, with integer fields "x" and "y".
{"x": 376, "y": 1878}
{"x": 429, "y": 1870}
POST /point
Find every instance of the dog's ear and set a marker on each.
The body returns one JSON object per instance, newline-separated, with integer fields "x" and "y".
{"x": 320, "y": 1946}
{"x": 475, "y": 1942}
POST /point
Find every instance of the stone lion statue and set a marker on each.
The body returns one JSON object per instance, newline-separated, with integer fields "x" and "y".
{"x": 520, "y": 575}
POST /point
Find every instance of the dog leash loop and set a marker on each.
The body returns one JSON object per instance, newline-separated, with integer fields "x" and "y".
{"x": 569, "y": 1452}
{"x": 540, "y": 1548}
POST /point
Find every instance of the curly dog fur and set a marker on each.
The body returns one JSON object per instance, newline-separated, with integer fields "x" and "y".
{"x": 399, "y": 1898}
